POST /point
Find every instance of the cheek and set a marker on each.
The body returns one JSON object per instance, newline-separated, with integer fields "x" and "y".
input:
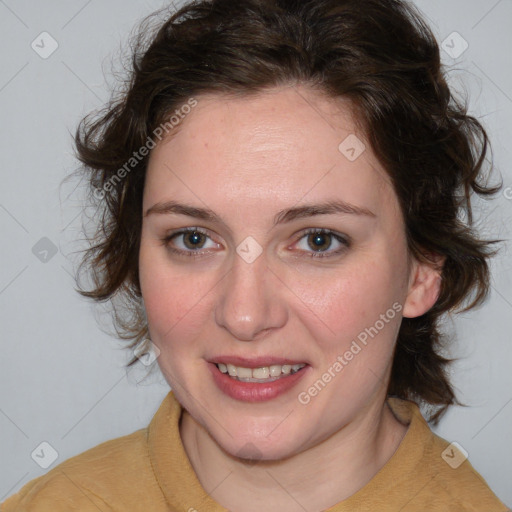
{"x": 176, "y": 302}
{"x": 350, "y": 299}
{"x": 360, "y": 316}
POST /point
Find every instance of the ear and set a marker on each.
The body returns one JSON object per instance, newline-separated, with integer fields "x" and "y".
{"x": 424, "y": 286}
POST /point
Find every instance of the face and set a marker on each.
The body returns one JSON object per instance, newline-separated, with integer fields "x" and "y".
{"x": 267, "y": 244}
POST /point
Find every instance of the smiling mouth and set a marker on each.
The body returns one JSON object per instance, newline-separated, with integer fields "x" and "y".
{"x": 261, "y": 374}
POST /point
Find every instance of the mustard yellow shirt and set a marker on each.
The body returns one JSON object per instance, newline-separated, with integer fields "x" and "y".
{"x": 149, "y": 471}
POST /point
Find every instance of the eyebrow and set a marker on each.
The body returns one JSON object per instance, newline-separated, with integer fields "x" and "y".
{"x": 282, "y": 217}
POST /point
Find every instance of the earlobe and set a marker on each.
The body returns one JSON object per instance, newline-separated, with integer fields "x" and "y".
{"x": 424, "y": 287}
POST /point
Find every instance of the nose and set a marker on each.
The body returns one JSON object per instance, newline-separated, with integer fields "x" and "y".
{"x": 250, "y": 304}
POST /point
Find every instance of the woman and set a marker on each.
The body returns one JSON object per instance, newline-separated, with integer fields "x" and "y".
{"x": 281, "y": 185}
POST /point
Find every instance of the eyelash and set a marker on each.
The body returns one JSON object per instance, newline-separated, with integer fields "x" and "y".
{"x": 311, "y": 231}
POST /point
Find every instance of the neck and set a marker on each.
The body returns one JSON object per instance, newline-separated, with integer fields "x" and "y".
{"x": 314, "y": 479}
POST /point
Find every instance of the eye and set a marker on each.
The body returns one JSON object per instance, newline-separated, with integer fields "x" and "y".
{"x": 189, "y": 242}
{"x": 315, "y": 242}
{"x": 320, "y": 241}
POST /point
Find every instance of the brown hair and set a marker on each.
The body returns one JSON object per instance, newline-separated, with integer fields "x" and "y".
{"x": 381, "y": 56}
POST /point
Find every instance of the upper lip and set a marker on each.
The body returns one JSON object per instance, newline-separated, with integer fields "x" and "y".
{"x": 254, "y": 362}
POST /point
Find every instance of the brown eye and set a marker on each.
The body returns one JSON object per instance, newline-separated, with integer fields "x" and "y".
{"x": 320, "y": 241}
{"x": 190, "y": 242}
{"x": 194, "y": 240}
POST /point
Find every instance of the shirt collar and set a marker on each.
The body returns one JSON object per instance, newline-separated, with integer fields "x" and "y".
{"x": 182, "y": 489}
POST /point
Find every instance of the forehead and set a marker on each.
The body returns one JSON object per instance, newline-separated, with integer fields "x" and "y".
{"x": 272, "y": 149}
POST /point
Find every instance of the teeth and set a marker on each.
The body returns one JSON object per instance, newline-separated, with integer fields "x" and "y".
{"x": 275, "y": 370}
{"x": 258, "y": 373}
{"x": 262, "y": 373}
{"x": 243, "y": 373}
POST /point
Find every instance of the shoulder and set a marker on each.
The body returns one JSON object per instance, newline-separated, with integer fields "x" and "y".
{"x": 456, "y": 482}
{"x": 441, "y": 477}
{"x": 91, "y": 481}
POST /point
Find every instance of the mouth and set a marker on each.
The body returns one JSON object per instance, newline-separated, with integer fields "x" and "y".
{"x": 261, "y": 374}
{"x": 256, "y": 380}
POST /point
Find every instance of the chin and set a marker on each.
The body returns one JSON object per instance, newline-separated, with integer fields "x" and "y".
{"x": 254, "y": 452}
{"x": 254, "y": 443}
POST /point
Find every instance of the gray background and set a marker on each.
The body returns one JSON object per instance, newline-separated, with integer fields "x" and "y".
{"x": 62, "y": 378}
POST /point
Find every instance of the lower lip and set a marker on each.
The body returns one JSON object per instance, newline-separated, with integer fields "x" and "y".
{"x": 254, "y": 391}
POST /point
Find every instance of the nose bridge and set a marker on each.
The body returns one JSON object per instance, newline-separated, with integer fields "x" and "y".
{"x": 248, "y": 304}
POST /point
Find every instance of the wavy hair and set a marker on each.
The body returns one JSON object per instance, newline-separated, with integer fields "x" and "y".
{"x": 380, "y": 55}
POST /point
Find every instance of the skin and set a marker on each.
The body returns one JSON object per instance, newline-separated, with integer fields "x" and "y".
{"x": 247, "y": 159}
